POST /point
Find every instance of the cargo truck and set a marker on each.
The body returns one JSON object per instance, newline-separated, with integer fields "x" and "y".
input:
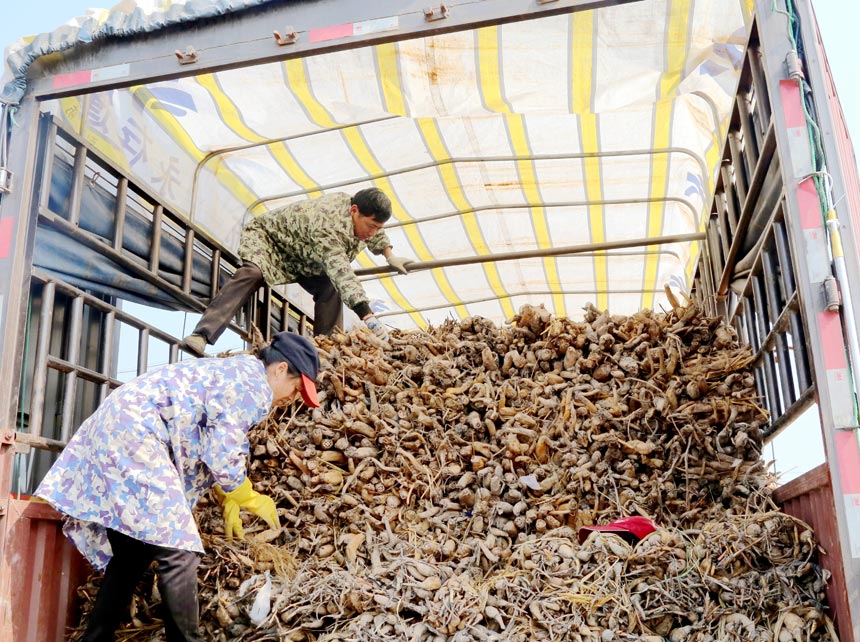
{"x": 647, "y": 145}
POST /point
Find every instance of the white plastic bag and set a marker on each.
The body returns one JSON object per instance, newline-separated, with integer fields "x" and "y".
{"x": 262, "y": 603}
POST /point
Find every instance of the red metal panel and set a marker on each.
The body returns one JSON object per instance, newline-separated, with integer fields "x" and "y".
{"x": 810, "y": 498}
{"x": 39, "y": 573}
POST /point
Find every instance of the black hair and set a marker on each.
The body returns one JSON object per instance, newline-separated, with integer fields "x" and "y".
{"x": 268, "y": 355}
{"x": 373, "y": 202}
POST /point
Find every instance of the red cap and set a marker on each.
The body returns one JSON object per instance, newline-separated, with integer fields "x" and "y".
{"x": 631, "y": 529}
{"x": 309, "y": 392}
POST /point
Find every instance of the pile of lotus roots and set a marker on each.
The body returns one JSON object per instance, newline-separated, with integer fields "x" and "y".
{"x": 438, "y": 492}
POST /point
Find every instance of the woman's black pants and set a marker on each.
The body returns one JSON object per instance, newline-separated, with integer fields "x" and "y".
{"x": 177, "y": 582}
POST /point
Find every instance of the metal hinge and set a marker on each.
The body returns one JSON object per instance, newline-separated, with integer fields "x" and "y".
{"x": 432, "y": 14}
{"x": 794, "y": 66}
{"x": 289, "y": 38}
{"x": 186, "y": 57}
{"x": 832, "y": 295}
{"x": 5, "y": 181}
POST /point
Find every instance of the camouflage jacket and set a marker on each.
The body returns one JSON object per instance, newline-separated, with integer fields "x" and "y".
{"x": 309, "y": 238}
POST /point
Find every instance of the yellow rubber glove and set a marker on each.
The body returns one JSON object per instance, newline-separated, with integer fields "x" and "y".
{"x": 244, "y": 496}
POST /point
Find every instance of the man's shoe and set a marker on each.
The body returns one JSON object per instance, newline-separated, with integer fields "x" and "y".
{"x": 195, "y": 343}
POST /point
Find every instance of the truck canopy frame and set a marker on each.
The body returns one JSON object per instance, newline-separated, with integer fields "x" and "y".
{"x": 538, "y": 194}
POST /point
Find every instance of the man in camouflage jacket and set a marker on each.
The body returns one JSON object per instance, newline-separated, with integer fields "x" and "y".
{"x": 312, "y": 243}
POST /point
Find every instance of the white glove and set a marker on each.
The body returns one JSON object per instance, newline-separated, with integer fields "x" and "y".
{"x": 399, "y": 263}
{"x": 375, "y": 325}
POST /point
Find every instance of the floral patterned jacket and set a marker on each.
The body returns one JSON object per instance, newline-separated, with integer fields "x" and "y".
{"x": 139, "y": 464}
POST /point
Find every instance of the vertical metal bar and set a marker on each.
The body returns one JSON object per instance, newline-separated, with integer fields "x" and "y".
{"x": 155, "y": 248}
{"x": 741, "y": 169}
{"x": 119, "y": 213}
{"x": 215, "y": 274}
{"x": 730, "y": 205}
{"x": 715, "y": 247}
{"x": 751, "y": 136}
{"x": 78, "y": 173}
{"x": 143, "y": 351}
{"x": 702, "y": 282}
{"x": 786, "y": 266}
{"x": 774, "y": 304}
{"x": 266, "y": 314}
{"x": 285, "y": 314}
{"x": 759, "y": 84}
{"x": 174, "y": 353}
{"x": 188, "y": 260}
{"x": 303, "y": 325}
{"x": 768, "y": 365}
{"x": 40, "y": 367}
{"x": 789, "y": 286}
{"x": 728, "y": 215}
{"x": 71, "y": 384}
{"x": 48, "y": 166}
{"x": 107, "y": 354}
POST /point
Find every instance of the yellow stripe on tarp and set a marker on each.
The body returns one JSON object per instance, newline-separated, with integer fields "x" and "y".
{"x": 712, "y": 159}
{"x": 676, "y": 55}
{"x": 433, "y": 140}
{"x": 232, "y": 117}
{"x": 227, "y": 109}
{"x": 176, "y": 131}
{"x": 389, "y": 78}
{"x": 582, "y": 57}
{"x": 300, "y": 87}
{"x": 491, "y": 89}
{"x": 73, "y": 112}
{"x": 386, "y": 57}
{"x": 747, "y": 9}
{"x": 298, "y": 81}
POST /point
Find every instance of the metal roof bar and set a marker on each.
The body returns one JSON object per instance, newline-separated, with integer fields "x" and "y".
{"x": 584, "y": 255}
{"x": 491, "y": 159}
{"x": 517, "y": 206}
{"x": 441, "y": 306}
{"x": 270, "y": 141}
{"x": 540, "y": 253}
{"x": 244, "y": 38}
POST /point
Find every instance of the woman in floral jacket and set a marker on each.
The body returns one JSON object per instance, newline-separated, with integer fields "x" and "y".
{"x": 129, "y": 478}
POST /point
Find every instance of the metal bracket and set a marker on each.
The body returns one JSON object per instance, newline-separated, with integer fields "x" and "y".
{"x": 794, "y": 66}
{"x": 832, "y": 296}
{"x": 187, "y": 57}
{"x": 432, "y": 14}
{"x": 8, "y": 437}
{"x": 5, "y": 181}
{"x": 289, "y": 38}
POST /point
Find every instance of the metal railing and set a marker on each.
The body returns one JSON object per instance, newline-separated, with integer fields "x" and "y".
{"x": 72, "y": 336}
{"x": 747, "y": 272}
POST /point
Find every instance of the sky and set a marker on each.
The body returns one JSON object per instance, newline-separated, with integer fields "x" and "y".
{"x": 837, "y": 21}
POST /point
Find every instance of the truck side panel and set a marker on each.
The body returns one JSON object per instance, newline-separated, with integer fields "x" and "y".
{"x": 39, "y": 574}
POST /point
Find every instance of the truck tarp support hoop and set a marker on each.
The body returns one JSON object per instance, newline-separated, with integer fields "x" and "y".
{"x": 517, "y": 206}
{"x": 484, "y": 159}
{"x": 543, "y": 252}
{"x": 511, "y": 295}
